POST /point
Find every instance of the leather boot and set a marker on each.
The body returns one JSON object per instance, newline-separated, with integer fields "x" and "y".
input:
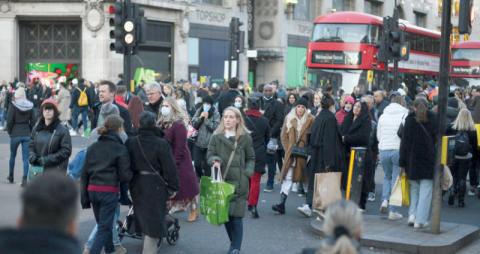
{"x": 254, "y": 212}
{"x": 193, "y": 215}
{"x": 280, "y": 208}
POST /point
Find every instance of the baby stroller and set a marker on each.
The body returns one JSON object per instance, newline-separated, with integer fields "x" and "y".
{"x": 130, "y": 228}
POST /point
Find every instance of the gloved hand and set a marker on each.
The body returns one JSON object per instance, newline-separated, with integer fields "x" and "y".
{"x": 33, "y": 159}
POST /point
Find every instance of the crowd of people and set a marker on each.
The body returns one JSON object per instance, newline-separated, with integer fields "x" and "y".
{"x": 158, "y": 141}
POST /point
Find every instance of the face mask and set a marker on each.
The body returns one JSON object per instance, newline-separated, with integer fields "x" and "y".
{"x": 347, "y": 110}
{"x": 267, "y": 98}
{"x": 237, "y": 104}
{"x": 316, "y": 104}
{"x": 206, "y": 107}
{"x": 165, "y": 111}
{"x": 198, "y": 100}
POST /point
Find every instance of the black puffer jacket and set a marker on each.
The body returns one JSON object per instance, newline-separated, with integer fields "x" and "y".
{"x": 50, "y": 146}
{"x": 274, "y": 112}
{"x": 107, "y": 163}
{"x": 20, "y": 118}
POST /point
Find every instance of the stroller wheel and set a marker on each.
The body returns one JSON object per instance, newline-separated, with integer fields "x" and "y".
{"x": 172, "y": 237}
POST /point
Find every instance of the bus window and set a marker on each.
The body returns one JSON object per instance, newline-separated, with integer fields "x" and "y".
{"x": 466, "y": 54}
{"x": 341, "y": 33}
{"x": 436, "y": 46}
{"x": 375, "y": 34}
{"x": 344, "y": 79}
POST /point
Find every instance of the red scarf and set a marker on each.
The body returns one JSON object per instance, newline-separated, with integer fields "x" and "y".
{"x": 121, "y": 101}
{"x": 253, "y": 112}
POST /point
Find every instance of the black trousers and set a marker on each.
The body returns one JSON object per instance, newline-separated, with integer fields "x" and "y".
{"x": 234, "y": 228}
{"x": 460, "y": 170}
{"x": 200, "y": 161}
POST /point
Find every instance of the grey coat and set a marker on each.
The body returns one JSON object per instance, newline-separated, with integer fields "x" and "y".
{"x": 205, "y": 127}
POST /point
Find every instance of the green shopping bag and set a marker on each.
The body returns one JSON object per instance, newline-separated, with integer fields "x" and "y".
{"x": 34, "y": 171}
{"x": 215, "y": 196}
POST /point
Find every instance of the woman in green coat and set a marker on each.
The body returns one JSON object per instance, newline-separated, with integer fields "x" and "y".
{"x": 233, "y": 137}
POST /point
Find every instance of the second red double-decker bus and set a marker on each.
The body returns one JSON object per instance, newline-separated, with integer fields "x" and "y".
{"x": 344, "y": 46}
{"x": 465, "y": 63}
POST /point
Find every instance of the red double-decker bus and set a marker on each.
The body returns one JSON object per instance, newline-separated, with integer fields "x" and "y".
{"x": 344, "y": 46}
{"x": 465, "y": 63}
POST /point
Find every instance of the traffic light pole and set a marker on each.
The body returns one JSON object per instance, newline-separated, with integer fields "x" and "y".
{"x": 442, "y": 110}
{"x": 127, "y": 69}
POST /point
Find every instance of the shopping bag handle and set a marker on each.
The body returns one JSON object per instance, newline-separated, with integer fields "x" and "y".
{"x": 216, "y": 177}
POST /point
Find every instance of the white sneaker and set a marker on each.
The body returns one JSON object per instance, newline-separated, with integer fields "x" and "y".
{"x": 420, "y": 226}
{"x": 471, "y": 192}
{"x": 371, "y": 196}
{"x": 305, "y": 210}
{"x": 73, "y": 133}
{"x": 384, "y": 206}
{"x": 394, "y": 216}
{"x": 295, "y": 187}
{"x": 119, "y": 249}
{"x": 411, "y": 220}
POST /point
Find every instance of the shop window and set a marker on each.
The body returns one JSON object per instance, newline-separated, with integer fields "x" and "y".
{"x": 306, "y": 10}
{"x": 343, "y": 5}
{"x": 192, "y": 51}
{"x": 214, "y": 2}
{"x": 374, "y": 7}
{"x": 420, "y": 19}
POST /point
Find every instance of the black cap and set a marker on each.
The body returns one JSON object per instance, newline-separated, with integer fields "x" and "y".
{"x": 253, "y": 103}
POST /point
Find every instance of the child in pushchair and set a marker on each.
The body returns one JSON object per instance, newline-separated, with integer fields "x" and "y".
{"x": 130, "y": 228}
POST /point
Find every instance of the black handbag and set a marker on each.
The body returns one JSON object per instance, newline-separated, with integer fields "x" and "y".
{"x": 299, "y": 151}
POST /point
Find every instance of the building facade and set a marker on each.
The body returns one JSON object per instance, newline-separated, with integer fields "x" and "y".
{"x": 184, "y": 39}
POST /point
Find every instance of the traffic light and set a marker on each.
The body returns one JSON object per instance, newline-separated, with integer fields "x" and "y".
{"x": 116, "y": 22}
{"x": 236, "y": 37}
{"x": 465, "y": 17}
{"x": 398, "y": 48}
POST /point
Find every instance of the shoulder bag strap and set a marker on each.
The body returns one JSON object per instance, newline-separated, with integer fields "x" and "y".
{"x": 230, "y": 159}
{"x": 50, "y": 142}
{"x": 148, "y": 162}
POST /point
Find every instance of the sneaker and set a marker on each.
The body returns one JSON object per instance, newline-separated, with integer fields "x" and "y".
{"x": 411, "y": 220}
{"x": 24, "y": 182}
{"x": 73, "y": 133}
{"x": 295, "y": 187}
{"x": 384, "y": 207}
{"x": 371, "y": 196}
{"x": 268, "y": 188}
{"x": 305, "y": 210}
{"x": 119, "y": 249}
{"x": 420, "y": 226}
{"x": 394, "y": 216}
{"x": 471, "y": 192}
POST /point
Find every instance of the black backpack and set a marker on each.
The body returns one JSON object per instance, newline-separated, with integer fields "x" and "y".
{"x": 462, "y": 144}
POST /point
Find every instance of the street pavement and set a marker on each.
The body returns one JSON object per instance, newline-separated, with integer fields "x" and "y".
{"x": 270, "y": 234}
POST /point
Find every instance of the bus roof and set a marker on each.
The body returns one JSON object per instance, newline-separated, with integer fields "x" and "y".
{"x": 467, "y": 45}
{"x": 352, "y": 17}
{"x": 349, "y": 17}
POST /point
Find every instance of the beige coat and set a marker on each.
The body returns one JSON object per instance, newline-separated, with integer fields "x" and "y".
{"x": 289, "y": 139}
{"x": 64, "y": 99}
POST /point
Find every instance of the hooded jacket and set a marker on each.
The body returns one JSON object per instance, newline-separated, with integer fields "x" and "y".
{"x": 20, "y": 118}
{"x": 388, "y": 125}
{"x": 205, "y": 127}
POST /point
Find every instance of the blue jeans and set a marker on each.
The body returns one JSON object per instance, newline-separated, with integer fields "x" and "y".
{"x": 391, "y": 168}
{"x": 75, "y": 113}
{"x": 234, "y": 228}
{"x": 104, "y": 205}
{"x": 420, "y": 200}
{"x": 116, "y": 239}
{"x": 14, "y": 143}
{"x": 2, "y": 117}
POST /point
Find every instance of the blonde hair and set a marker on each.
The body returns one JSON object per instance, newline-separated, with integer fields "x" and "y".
{"x": 343, "y": 224}
{"x": 241, "y": 128}
{"x": 178, "y": 114}
{"x": 464, "y": 121}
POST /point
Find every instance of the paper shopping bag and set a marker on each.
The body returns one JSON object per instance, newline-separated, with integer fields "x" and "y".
{"x": 396, "y": 194}
{"x": 326, "y": 190}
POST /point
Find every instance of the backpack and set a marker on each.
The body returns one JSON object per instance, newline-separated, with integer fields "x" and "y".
{"x": 462, "y": 144}
{"x": 83, "y": 98}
